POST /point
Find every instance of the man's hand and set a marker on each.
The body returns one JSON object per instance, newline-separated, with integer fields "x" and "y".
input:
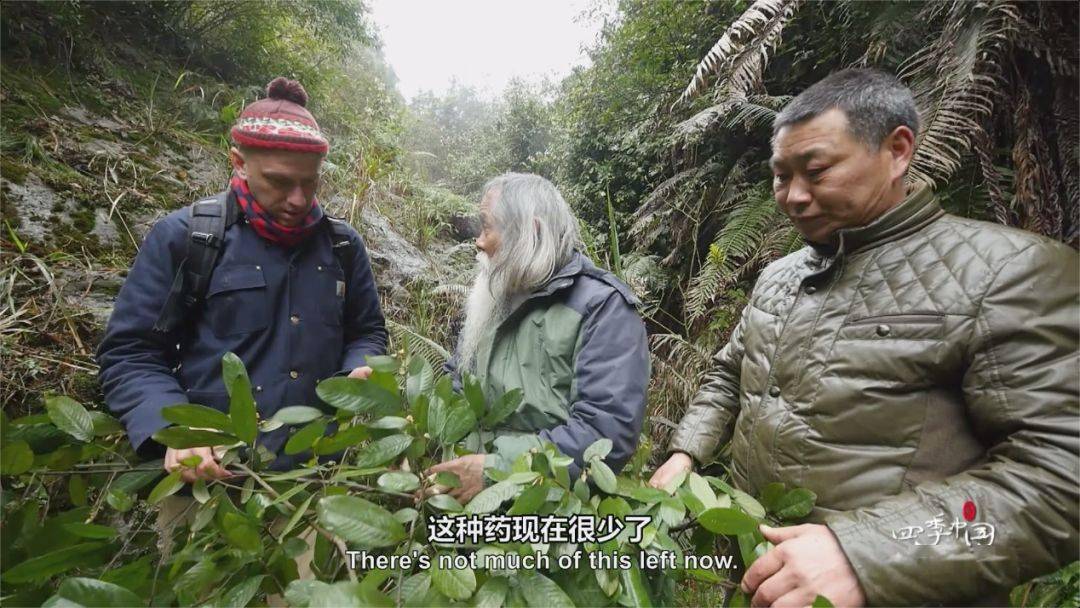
{"x": 678, "y": 463}
{"x": 360, "y": 372}
{"x": 208, "y": 468}
{"x": 470, "y": 471}
{"x": 805, "y": 562}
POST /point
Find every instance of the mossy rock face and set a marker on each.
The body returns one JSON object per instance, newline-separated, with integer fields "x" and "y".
{"x": 13, "y": 171}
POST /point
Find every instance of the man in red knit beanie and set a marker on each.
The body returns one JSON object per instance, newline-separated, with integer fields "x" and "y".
{"x": 287, "y": 289}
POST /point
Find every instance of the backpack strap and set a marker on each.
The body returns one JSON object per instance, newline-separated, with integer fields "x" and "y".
{"x": 208, "y": 221}
{"x": 341, "y": 239}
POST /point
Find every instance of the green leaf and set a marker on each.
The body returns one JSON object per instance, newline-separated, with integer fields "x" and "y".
{"x": 506, "y": 405}
{"x": 199, "y": 491}
{"x": 672, "y": 511}
{"x": 445, "y": 502}
{"x": 105, "y": 424}
{"x": 92, "y": 592}
{"x": 120, "y": 500}
{"x": 676, "y": 482}
{"x": 241, "y": 532}
{"x": 77, "y": 490}
{"x": 491, "y": 497}
{"x": 599, "y": 449}
{"x": 301, "y": 440}
{"x": 529, "y": 500}
{"x": 71, "y": 417}
{"x": 136, "y": 480}
{"x": 179, "y": 438}
{"x": 474, "y": 394}
{"x": 231, "y": 369}
{"x": 382, "y": 363}
{"x": 399, "y": 481}
{"x": 748, "y": 504}
{"x": 460, "y": 421}
{"x": 702, "y": 491}
{"x": 245, "y": 420}
{"x": 297, "y": 515}
{"x": 727, "y": 521}
{"x": 297, "y": 414}
{"x": 448, "y": 479}
{"x": 739, "y": 599}
{"x": 603, "y": 476}
{"x": 91, "y": 531}
{"x": 16, "y": 457}
{"x": 492, "y": 593}
{"x": 821, "y": 602}
{"x": 359, "y": 521}
{"x": 356, "y": 396}
{"x": 168, "y": 486}
{"x": 382, "y": 451}
{"x": 392, "y": 423}
{"x": 242, "y": 594}
{"x": 795, "y": 504}
{"x": 454, "y": 583}
{"x": 544, "y": 593}
{"x": 46, "y": 566}
{"x": 421, "y": 378}
{"x": 636, "y": 590}
{"x": 771, "y": 496}
{"x": 198, "y": 416}
{"x": 343, "y": 439}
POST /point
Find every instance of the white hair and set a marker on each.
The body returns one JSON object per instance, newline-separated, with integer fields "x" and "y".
{"x": 538, "y": 233}
{"x": 537, "y": 230}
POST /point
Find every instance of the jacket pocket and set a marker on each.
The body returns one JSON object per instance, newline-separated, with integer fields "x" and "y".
{"x": 909, "y": 326}
{"x": 236, "y": 301}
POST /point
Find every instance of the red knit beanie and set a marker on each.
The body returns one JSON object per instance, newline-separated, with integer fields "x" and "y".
{"x": 280, "y": 121}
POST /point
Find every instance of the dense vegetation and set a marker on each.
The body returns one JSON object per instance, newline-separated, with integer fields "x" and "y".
{"x": 660, "y": 145}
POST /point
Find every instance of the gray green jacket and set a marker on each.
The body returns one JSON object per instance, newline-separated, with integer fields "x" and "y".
{"x": 932, "y": 360}
{"x": 577, "y": 349}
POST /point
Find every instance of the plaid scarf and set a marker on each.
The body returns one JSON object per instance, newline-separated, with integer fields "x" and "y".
{"x": 263, "y": 222}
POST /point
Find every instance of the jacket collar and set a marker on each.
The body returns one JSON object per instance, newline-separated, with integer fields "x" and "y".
{"x": 914, "y": 213}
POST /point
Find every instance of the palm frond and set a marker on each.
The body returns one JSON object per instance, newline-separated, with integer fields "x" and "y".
{"x": 956, "y": 80}
{"x": 738, "y": 57}
{"x": 739, "y": 111}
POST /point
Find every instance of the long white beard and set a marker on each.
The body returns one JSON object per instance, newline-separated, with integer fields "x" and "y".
{"x": 485, "y": 309}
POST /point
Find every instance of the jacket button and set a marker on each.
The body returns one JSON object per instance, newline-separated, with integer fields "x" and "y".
{"x": 774, "y": 391}
{"x": 294, "y": 319}
{"x": 810, "y": 289}
{"x": 258, "y": 389}
{"x": 319, "y": 268}
{"x": 257, "y": 267}
{"x": 883, "y": 330}
{"x": 294, "y": 374}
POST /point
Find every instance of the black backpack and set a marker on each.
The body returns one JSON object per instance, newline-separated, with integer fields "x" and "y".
{"x": 210, "y": 218}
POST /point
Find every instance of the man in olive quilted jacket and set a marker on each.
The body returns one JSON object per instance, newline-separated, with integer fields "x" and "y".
{"x": 916, "y": 370}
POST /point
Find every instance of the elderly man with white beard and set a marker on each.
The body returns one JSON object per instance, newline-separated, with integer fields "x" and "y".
{"x": 541, "y": 317}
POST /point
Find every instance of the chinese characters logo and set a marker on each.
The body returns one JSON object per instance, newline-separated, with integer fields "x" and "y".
{"x": 966, "y": 528}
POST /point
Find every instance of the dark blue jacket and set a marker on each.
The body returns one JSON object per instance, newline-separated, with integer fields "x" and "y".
{"x": 292, "y": 317}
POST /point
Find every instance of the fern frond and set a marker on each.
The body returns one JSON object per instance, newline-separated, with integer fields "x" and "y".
{"x": 414, "y": 343}
{"x": 738, "y": 242}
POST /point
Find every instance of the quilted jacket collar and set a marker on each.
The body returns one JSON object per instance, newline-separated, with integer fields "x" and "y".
{"x": 913, "y": 214}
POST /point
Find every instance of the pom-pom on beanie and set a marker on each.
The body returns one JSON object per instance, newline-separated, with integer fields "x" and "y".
{"x": 280, "y": 121}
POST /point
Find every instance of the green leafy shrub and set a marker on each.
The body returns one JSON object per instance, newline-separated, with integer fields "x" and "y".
{"x": 77, "y": 512}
